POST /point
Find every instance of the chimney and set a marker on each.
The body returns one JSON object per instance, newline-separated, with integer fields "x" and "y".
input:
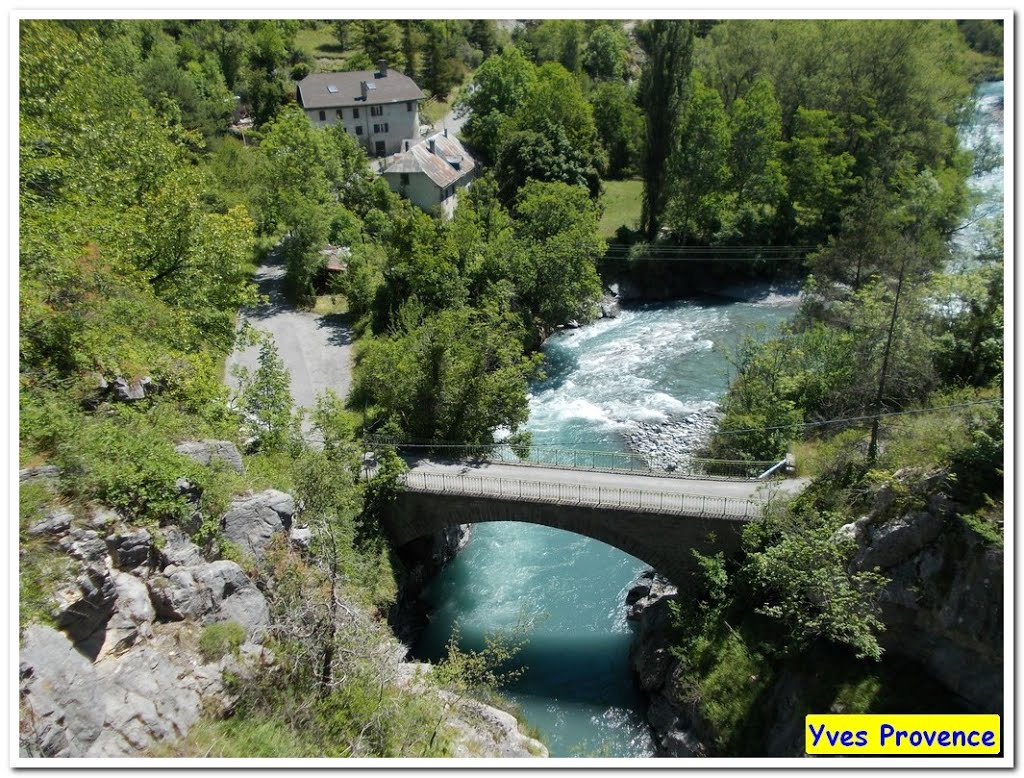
{"x": 363, "y": 88}
{"x": 382, "y": 68}
{"x": 430, "y": 145}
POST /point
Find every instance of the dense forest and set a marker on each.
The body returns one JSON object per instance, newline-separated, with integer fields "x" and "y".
{"x": 144, "y": 209}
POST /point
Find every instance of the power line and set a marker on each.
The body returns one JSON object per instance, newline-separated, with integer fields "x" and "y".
{"x": 802, "y": 425}
{"x": 870, "y": 417}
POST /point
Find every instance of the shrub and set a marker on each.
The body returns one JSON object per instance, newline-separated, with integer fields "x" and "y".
{"x": 222, "y": 638}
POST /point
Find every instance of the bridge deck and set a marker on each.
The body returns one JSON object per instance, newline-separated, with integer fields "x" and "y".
{"x": 739, "y": 499}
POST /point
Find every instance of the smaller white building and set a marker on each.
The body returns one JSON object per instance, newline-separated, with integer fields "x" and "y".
{"x": 431, "y": 171}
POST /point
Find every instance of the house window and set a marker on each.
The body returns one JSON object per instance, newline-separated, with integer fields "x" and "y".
{"x": 323, "y": 116}
{"x": 376, "y": 110}
{"x": 385, "y": 126}
{"x": 404, "y": 179}
{"x": 376, "y": 128}
{"x": 359, "y": 130}
{"x": 409, "y": 105}
{"x": 355, "y": 113}
{"x": 339, "y": 114}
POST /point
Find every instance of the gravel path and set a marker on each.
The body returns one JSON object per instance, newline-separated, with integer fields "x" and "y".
{"x": 316, "y": 350}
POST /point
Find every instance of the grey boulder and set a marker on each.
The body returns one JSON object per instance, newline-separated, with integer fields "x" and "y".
{"x": 133, "y": 614}
{"x": 252, "y": 523}
{"x": 84, "y": 606}
{"x": 130, "y": 549}
{"x": 56, "y": 523}
{"x": 147, "y": 699}
{"x": 59, "y": 688}
{"x": 206, "y": 452}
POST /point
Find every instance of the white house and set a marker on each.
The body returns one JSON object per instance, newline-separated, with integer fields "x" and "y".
{"x": 380, "y": 108}
{"x": 431, "y": 171}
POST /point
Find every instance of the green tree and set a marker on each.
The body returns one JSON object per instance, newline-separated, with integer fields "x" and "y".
{"x": 818, "y": 173}
{"x": 668, "y": 45}
{"x": 605, "y": 57}
{"x": 556, "y": 99}
{"x": 440, "y": 68}
{"x": 543, "y": 156}
{"x": 483, "y": 33}
{"x": 699, "y": 173}
{"x": 458, "y": 375}
{"x": 342, "y": 29}
{"x": 757, "y": 178}
{"x": 265, "y": 399}
{"x": 558, "y": 224}
{"x": 620, "y": 127}
{"x": 381, "y": 39}
{"x": 499, "y": 87}
{"x": 264, "y": 84}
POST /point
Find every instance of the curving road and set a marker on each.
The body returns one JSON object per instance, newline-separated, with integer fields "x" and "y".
{"x": 316, "y": 349}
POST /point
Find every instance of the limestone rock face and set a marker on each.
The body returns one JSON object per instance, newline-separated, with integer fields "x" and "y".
{"x": 251, "y": 523}
{"x": 147, "y": 699}
{"x": 177, "y": 595}
{"x": 84, "y": 606}
{"x": 85, "y": 545}
{"x": 130, "y": 549}
{"x": 124, "y": 390}
{"x": 56, "y": 523}
{"x": 133, "y": 614}
{"x": 206, "y": 452}
{"x": 210, "y": 592}
{"x": 178, "y": 550}
{"x": 942, "y": 608}
{"x": 42, "y": 471}
{"x": 59, "y": 690}
{"x": 481, "y": 730}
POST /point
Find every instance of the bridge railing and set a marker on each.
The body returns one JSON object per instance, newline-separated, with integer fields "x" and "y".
{"x": 576, "y": 459}
{"x": 676, "y": 503}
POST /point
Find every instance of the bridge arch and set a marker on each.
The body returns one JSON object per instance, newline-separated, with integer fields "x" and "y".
{"x": 662, "y": 540}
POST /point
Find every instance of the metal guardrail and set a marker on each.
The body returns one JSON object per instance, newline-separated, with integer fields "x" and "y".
{"x": 576, "y": 459}
{"x": 674, "y": 503}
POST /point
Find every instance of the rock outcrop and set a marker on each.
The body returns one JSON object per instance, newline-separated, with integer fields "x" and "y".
{"x": 422, "y": 559}
{"x": 943, "y": 605}
{"x": 252, "y": 522}
{"x": 122, "y": 671}
{"x": 481, "y": 730}
{"x": 209, "y": 452}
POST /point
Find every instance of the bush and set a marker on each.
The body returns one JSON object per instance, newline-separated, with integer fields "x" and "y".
{"x": 224, "y": 637}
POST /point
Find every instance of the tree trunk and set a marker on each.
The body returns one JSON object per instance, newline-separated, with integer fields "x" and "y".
{"x": 873, "y": 447}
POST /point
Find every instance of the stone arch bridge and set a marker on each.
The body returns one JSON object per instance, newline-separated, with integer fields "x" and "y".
{"x": 655, "y": 518}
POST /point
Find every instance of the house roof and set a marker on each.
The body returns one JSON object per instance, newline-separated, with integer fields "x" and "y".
{"x": 439, "y": 165}
{"x": 341, "y": 90}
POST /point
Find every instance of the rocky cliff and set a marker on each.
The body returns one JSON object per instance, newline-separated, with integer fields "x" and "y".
{"x": 126, "y": 663}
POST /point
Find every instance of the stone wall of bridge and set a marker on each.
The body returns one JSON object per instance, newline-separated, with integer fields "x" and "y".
{"x": 662, "y": 540}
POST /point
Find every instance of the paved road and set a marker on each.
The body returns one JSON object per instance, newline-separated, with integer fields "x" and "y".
{"x": 584, "y": 484}
{"x": 316, "y": 350}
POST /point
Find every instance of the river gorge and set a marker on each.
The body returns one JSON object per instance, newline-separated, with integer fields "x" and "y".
{"x": 643, "y": 372}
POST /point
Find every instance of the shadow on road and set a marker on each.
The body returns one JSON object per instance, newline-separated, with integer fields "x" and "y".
{"x": 339, "y": 331}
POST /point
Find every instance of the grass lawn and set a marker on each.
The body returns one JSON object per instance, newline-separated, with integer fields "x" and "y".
{"x": 433, "y": 110}
{"x": 621, "y": 202}
{"x": 327, "y": 304}
{"x": 323, "y": 46}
